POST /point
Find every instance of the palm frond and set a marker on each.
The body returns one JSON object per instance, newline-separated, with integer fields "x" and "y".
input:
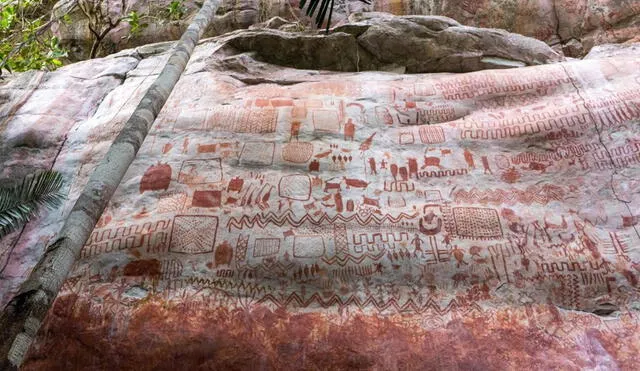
{"x": 22, "y": 201}
{"x": 322, "y": 11}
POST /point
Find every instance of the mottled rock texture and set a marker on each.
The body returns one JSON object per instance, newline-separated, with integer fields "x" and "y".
{"x": 574, "y": 25}
{"x": 571, "y": 26}
{"x": 280, "y": 218}
{"x": 39, "y": 122}
{"x": 375, "y": 41}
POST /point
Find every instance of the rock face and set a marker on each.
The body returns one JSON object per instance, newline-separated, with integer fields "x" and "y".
{"x": 39, "y": 109}
{"x": 232, "y": 15}
{"x": 40, "y": 115}
{"x": 375, "y": 41}
{"x": 574, "y": 25}
{"x": 280, "y": 218}
{"x": 571, "y": 26}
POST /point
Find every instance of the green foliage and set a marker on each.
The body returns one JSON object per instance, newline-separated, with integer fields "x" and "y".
{"x": 135, "y": 22}
{"x": 175, "y": 10}
{"x": 25, "y": 39}
{"x": 22, "y": 201}
{"x": 7, "y": 17}
{"x": 32, "y": 54}
{"x": 66, "y": 19}
{"x": 139, "y": 21}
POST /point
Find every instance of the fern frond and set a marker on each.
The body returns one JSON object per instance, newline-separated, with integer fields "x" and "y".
{"x": 22, "y": 201}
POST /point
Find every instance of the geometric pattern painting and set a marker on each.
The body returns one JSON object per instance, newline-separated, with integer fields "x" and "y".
{"x": 235, "y": 119}
{"x": 477, "y": 222}
{"x": 257, "y": 153}
{"x": 193, "y": 234}
{"x": 431, "y": 134}
{"x": 266, "y": 247}
{"x": 295, "y": 187}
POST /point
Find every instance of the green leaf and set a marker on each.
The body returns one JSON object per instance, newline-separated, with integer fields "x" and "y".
{"x": 22, "y": 201}
{"x": 7, "y": 17}
{"x": 175, "y": 10}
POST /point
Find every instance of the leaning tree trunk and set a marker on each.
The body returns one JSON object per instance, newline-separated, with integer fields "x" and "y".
{"x": 21, "y": 318}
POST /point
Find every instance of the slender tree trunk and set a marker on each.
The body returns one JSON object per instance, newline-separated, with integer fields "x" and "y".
{"x": 21, "y": 318}
{"x": 100, "y": 36}
{"x": 94, "y": 48}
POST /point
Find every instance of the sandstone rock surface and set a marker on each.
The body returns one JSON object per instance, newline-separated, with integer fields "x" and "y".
{"x": 281, "y": 218}
{"x": 415, "y": 44}
{"x": 572, "y": 26}
{"x": 575, "y": 25}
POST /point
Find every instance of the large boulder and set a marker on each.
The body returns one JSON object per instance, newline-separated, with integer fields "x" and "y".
{"x": 573, "y": 25}
{"x": 374, "y": 41}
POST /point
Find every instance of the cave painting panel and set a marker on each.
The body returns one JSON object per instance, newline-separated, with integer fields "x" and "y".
{"x": 382, "y": 212}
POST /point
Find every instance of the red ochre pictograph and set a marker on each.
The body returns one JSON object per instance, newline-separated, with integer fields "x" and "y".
{"x": 408, "y": 216}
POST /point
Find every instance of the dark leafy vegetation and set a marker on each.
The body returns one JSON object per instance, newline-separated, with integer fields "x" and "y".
{"x": 25, "y": 39}
{"x": 22, "y": 201}
{"x": 27, "y": 42}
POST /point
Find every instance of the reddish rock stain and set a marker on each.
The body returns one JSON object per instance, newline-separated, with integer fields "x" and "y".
{"x": 170, "y": 336}
{"x": 150, "y": 267}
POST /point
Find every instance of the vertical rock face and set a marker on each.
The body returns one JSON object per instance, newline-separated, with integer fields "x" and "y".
{"x": 571, "y": 26}
{"x": 283, "y": 218}
{"x": 576, "y": 25}
{"x": 42, "y": 125}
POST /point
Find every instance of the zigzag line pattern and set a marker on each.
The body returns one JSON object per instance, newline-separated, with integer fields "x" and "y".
{"x": 408, "y": 306}
{"x": 344, "y": 260}
{"x": 288, "y": 218}
{"x": 225, "y": 284}
{"x": 533, "y": 194}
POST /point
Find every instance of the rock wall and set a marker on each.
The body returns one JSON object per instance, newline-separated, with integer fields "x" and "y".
{"x": 573, "y": 27}
{"x": 280, "y": 218}
{"x": 41, "y": 114}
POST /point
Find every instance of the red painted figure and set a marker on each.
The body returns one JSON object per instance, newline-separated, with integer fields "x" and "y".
{"x": 468, "y": 157}
{"x": 372, "y": 165}
{"x": 314, "y": 166}
{"x": 295, "y": 129}
{"x": 349, "y": 130}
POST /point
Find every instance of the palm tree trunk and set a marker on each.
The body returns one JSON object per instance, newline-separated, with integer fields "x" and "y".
{"x": 21, "y": 318}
